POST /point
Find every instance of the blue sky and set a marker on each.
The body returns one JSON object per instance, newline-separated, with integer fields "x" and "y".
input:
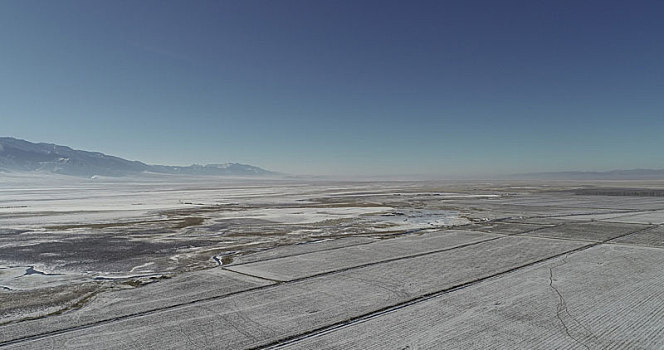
{"x": 440, "y": 88}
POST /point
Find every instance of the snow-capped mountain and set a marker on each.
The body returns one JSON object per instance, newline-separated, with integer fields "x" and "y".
{"x": 21, "y": 155}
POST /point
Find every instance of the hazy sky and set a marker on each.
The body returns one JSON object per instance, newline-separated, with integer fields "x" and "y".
{"x": 331, "y": 87}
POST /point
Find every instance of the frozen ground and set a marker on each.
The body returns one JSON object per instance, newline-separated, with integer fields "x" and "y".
{"x": 166, "y": 262}
{"x": 58, "y": 231}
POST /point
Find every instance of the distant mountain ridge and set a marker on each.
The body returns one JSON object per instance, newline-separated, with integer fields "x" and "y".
{"x": 21, "y": 155}
{"x": 631, "y": 174}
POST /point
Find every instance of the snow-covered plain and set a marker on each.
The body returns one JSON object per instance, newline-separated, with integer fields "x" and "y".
{"x": 65, "y": 229}
{"x": 314, "y": 264}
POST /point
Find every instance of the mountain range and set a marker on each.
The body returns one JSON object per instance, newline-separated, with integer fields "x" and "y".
{"x": 631, "y": 174}
{"x": 21, "y": 155}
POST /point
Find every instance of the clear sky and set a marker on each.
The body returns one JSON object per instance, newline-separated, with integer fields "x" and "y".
{"x": 341, "y": 87}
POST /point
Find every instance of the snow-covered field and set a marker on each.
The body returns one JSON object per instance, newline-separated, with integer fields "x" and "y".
{"x": 59, "y": 229}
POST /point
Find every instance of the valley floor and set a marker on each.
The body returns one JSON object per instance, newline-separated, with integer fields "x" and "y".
{"x": 238, "y": 264}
